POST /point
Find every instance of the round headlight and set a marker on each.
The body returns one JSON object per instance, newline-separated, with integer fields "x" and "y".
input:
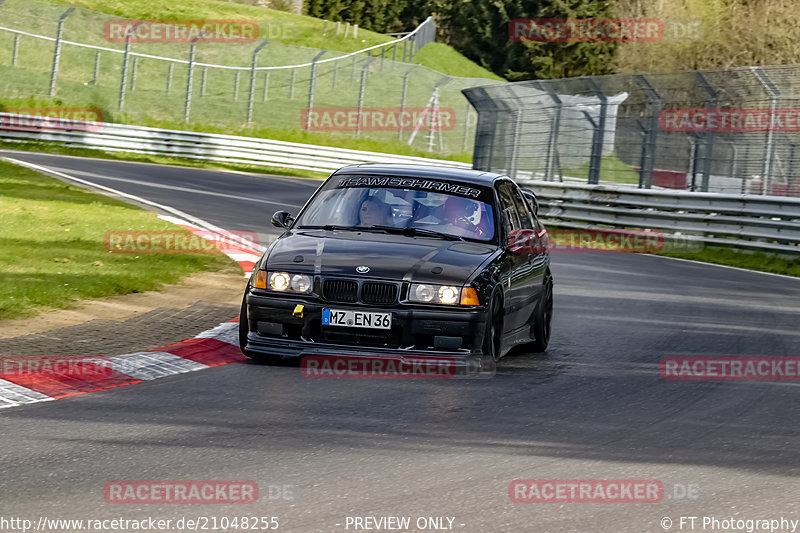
{"x": 448, "y": 295}
{"x": 301, "y": 283}
{"x": 424, "y": 293}
{"x": 279, "y": 281}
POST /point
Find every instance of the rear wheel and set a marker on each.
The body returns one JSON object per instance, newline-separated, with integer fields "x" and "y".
{"x": 244, "y": 329}
{"x": 543, "y": 317}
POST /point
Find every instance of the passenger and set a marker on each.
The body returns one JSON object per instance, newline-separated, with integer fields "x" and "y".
{"x": 373, "y": 212}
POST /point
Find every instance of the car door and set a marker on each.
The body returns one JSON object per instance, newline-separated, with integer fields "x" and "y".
{"x": 515, "y": 265}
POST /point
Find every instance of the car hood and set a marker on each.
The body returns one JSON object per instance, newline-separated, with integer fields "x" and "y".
{"x": 393, "y": 257}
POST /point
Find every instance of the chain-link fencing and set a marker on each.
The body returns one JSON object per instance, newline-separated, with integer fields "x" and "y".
{"x": 81, "y": 57}
{"x": 725, "y": 131}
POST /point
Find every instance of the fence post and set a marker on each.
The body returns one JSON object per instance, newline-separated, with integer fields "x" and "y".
{"x": 265, "y": 94}
{"x": 394, "y": 52}
{"x": 123, "y": 77}
{"x": 555, "y": 128}
{"x": 236, "y": 79}
{"x": 189, "y": 77}
{"x": 312, "y": 83}
{"x": 133, "y": 72}
{"x": 405, "y": 45}
{"x": 596, "y": 159}
{"x": 353, "y": 71}
{"x": 774, "y": 93}
{"x": 170, "y": 70}
{"x": 383, "y": 56}
{"x": 403, "y": 103}
{"x": 364, "y": 71}
{"x": 203, "y": 81}
{"x": 650, "y": 133}
{"x": 333, "y": 77}
{"x": 411, "y": 47}
{"x": 291, "y": 84}
{"x": 57, "y": 50}
{"x": 708, "y": 138}
{"x": 96, "y": 74}
{"x": 252, "y": 92}
{"x": 466, "y": 127}
{"x": 15, "y": 51}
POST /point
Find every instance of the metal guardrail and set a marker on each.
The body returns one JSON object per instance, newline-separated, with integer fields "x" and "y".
{"x": 194, "y": 145}
{"x": 755, "y": 222}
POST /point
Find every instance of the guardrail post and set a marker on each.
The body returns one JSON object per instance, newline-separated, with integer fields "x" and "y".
{"x": 57, "y": 50}
{"x": 708, "y": 138}
{"x": 596, "y": 159}
{"x": 649, "y": 133}
{"x": 15, "y": 50}
{"x": 252, "y": 91}
{"x": 189, "y": 78}
{"x": 403, "y": 103}
{"x": 96, "y": 73}
{"x": 170, "y": 70}
{"x": 312, "y": 83}
{"x": 364, "y": 71}
{"x": 774, "y": 93}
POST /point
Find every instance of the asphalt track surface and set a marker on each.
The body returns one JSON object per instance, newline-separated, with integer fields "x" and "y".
{"x": 593, "y": 407}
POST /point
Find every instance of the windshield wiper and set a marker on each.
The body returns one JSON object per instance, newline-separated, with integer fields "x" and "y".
{"x": 330, "y": 227}
{"x": 418, "y": 231}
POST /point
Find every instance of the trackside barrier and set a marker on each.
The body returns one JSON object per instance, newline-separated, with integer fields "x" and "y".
{"x": 755, "y": 222}
{"x": 207, "y": 146}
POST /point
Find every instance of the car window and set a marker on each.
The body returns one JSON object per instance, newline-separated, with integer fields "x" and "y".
{"x": 462, "y": 211}
{"x": 509, "y": 208}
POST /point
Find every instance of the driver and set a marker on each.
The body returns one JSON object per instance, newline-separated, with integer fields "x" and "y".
{"x": 457, "y": 216}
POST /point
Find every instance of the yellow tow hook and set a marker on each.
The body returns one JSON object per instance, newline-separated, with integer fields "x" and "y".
{"x": 298, "y": 311}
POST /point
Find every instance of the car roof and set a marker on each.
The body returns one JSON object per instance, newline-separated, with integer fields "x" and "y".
{"x": 464, "y": 175}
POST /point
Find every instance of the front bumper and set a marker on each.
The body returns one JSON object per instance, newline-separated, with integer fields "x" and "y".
{"x": 454, "y": 335}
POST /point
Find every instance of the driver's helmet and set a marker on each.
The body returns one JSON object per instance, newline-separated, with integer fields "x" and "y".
{"x": 459, "y": 211}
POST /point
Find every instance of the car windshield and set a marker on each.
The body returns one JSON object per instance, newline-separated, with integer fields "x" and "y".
{"x": 350, "y": 202}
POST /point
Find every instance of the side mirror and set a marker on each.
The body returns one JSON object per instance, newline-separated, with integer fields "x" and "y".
{"x": 282, "y": 219}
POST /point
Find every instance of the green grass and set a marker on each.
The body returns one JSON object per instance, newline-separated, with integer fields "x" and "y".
{"x": 611, "y": 169}
{"x": 53, "y": 255}
{"x": 283, "y": 27}
{"x": 763, "y": 262}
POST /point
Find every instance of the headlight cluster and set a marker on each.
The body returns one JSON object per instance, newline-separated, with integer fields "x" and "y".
{"x": 284, "y": 282}
{"x": 434, "y": 294}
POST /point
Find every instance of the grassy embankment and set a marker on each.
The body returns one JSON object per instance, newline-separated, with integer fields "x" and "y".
{"x": 53, "y": 252}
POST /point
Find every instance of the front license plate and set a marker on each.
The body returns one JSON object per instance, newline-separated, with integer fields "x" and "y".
{"x": 356, "y": 319}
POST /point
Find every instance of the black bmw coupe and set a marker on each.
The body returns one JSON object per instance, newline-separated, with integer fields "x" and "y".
{"x": 402, "y": 260}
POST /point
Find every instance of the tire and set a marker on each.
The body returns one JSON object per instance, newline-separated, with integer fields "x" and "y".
{"x": 542, "y": 318}
{"x": 493, "y": 337}
{"x": 244, "y": 329}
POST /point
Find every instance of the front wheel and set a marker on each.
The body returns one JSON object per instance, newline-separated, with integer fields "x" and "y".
{"x": 493, "y": 337}
{"x": 543, "y": 318}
